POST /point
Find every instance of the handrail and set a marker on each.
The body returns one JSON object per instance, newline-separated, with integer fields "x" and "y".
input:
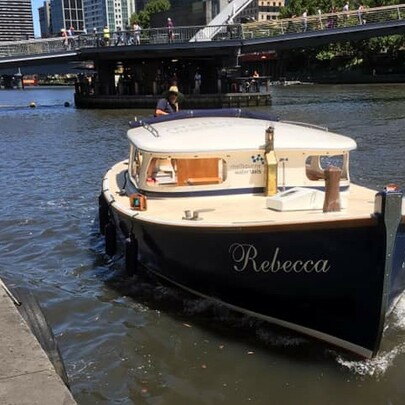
{"x": 323, "y": 21}
{"x": 159, "y": 36}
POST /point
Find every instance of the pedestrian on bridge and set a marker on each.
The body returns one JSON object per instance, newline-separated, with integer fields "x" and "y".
{"x": 170, "y": 32}
{"x": 70, "y": 34}
{"x": 360, "y": 13}
{"x": 106, "y": 36}
{"x": 119, "y": 40}
{"x": 346, "y": 12}
{"x": 305, "y": 21}
{"x": 320, "y": 19}
{"x": 137, "y": 33}
{"x": 65, "y": 38}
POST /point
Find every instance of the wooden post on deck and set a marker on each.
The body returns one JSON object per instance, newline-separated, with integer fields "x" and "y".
{"x": 270, "y": 186}
{"x": 332, "y": 183}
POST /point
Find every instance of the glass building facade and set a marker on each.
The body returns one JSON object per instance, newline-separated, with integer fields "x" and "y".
{"x": 45, "y": 21}
{"x": 113, "y": 13}
{"x": 16, "y": 21}
{"x": 66, "y": 14}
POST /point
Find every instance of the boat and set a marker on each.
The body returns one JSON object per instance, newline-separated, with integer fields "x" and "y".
{"x": 30, "y": 80}
{"x": 260, "y": 215}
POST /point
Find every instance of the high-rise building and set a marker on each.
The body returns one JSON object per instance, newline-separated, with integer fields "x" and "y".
{"x": 95, "y": 14}
{"x": 113, "y": 13}
{"x": 260, "y": 10}
{"x": 66, "y": 14}
{"x": 140, "y": 5}
{"x": 189, "y": 12}
{"x": 45, "y": 21}
{"x": 16, "y": 21}
{"x": 131, "y": 7}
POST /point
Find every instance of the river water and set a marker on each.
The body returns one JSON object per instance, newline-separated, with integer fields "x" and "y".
{"x": 131, "y": 341}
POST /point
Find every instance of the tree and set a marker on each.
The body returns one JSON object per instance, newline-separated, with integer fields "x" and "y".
{"x": 156, "y": 6}
{"x": 142, "y": 18}
{"x": 152, "y": 7}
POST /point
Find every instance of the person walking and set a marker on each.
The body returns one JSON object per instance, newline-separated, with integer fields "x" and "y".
{"x": 106, "y": 36}
{"x": 197, "y": 82}
{"x": 137, "y": 33}
{"x": 65, "y": 38}
{"x": 170, "y": 32}
{"x": 360, "y": 13}
{"x": 346, "y": 13}
{"x": 119, "y": 37}
{"x": 305, "y": 20}
{"x": 168, "y": 104}
{"x": 320, "y": 19}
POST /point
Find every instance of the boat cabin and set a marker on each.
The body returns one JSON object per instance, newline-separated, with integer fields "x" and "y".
{"x": 222, "y": 155}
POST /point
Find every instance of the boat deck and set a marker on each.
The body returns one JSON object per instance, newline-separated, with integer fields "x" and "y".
{"x": 237, "y": 210}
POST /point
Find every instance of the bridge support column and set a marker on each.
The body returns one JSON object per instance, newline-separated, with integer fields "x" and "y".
{"x": 280, "y": 66}
{"x": 106, "y": 79}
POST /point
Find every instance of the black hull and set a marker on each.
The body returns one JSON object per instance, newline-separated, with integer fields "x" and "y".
{"x": 329, "y": 283}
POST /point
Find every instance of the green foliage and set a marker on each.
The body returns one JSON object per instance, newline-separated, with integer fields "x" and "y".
{"x": 297, "y": 7}
{"x": 361, "y": 52}
{"x": 142, "y": 18}
{"x": 152, "y": 7}
{"x": 156, "y": 6}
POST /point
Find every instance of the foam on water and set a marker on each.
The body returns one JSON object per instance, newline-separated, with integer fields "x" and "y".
{"x": 375, "y": 367}
{"x": 378, "y": 366}
{"x": 397, "y": 320}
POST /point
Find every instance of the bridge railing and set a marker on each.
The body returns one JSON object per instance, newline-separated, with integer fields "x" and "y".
{"x": 150, "y": 36}
{"x": 155, "y": 36}
{"x": 319, "y": 22}
{"x": 34, "y": 47}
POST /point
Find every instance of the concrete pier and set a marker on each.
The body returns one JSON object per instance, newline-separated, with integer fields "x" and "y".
{"x": 27, "y": 377}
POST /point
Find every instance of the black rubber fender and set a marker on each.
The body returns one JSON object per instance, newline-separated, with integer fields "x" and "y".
{"x": 110, "y": 239}
{"x": 131, "y": 254}
{"x": 32, "y": 313}
{"x": 103, "y": 213}
{"x": 124, "y": 229}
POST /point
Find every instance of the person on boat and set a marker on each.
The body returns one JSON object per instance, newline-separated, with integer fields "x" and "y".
{"x": 168, "y": 104}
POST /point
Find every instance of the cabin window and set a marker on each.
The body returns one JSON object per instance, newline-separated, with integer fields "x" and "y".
{"x": 186, "y": 172}
{"x": 315, "y": 166}
{"x": 135, "y": 163}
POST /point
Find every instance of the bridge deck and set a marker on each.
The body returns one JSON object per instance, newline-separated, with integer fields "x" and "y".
{"x": 282, "y": 33}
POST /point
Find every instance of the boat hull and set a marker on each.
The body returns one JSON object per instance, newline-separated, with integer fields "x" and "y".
{"x": 326, "y": 280}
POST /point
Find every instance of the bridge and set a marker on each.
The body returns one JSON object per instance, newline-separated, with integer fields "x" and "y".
{"x": 278, "y": 34}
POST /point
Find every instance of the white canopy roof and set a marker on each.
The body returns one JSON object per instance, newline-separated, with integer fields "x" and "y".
{"x": 222, "y": 134}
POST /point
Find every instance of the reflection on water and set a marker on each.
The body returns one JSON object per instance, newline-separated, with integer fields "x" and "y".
{"x": 132, "y": 340}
